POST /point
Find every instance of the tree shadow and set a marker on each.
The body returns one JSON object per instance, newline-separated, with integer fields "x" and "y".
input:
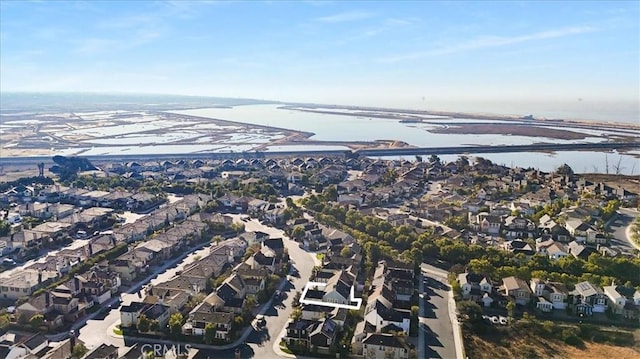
{"x": 259, "y": 336}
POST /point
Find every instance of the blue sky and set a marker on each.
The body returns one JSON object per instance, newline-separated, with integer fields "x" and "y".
{"x": 321, "y": 51}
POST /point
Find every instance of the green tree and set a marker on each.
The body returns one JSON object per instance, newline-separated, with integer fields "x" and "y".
{"x": 217, "y": 239}
{"x": 290, "y": 203}
{"x": 469, "y": 312}
{"x": 248, "y": 305}
{"x": 296, "y": 314}
{"x": 238, "y": 322}
{"x": 456, "y": 288}
{"x": 330, "y": 193}
{"x": 414, "y": 323}
{"x": 345, "y": 252}
{"x": 209, "y": 333}
{"x": 511, "y": 306}
{"x": 36, "y": 321}
{"x": 5, "y": 228}
{"x": 154, "y": 325}
{"x": 4, "y": 320}
{"x": 296, "y": 299}
{"x": 297, "y": 233}
{"x": 79, "y": 350}
{"x": 143, "y": 323}
{"x": 564, "y": 169}
{"x": 175, "y": 323}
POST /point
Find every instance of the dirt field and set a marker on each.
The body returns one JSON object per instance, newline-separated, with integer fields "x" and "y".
{"x": 516, "y": 130}
{"x": 535, "y": 347}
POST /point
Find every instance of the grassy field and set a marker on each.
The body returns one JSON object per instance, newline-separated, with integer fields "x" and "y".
{"x": 547, "y": 340}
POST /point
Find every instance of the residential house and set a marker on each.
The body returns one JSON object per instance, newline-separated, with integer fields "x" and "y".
{"x": 23, "y": 283}
{"x": 580, "y": 251}
{"x": 517, "y": 289}
{"x": 103, "y": 351}
{"x": 519, "y": 227}
{"x": 172, "y": 298}
{"x": 519, "y": 246}
{"x": 129, "y": 265}
{"x": 623, "y": 300}
{"x": 581, "y": 231}
{"x": 323, "y": 336}
{"x": 487, "y": 223}
{"x": 41, "y": 305}
{"x": 276, "y": 245}
{"x": 551, "y": 295}
{"x": 275, "y": 216}
{"x": 474, "y": 286}
{"x": 265, "y": 258}
{"x": 384, "y": 346}
{"x": 552, "y": 249}
{"x": 339, "y": 288}
{"x": 205, "y": 314}
{"x": 65, "y": 303}
{"x": 254, "y": 279}
{"x": 381, "y": 313}
{"x": 588, "y": 299}
{"x": 551, "y": 228}
{"x": 130, "y": 314}
{"x": 14, "y": 345}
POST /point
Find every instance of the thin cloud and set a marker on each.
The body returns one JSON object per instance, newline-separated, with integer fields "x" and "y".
{"x": 490, "y": 42}
{"x": 348, "y": 16}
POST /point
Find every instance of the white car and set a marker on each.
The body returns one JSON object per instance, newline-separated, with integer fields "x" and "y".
{"x": 503, "y": 320}
{"x": 494, "y": 320}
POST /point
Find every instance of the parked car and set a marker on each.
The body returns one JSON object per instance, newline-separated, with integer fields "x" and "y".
{"x": 8, "y": 262}
{"x": 503, "y": 320}
{"x": 494, "y": 320}
{"x": 260, "y": 320}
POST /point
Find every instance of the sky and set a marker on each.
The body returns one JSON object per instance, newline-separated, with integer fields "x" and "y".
{"x": 326, "y": 52}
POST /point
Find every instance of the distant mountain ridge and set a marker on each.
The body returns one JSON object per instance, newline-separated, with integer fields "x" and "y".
{"x": 12, "y": 102}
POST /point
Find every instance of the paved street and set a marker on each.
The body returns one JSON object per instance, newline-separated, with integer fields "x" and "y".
{"x": 260, "y": 343}
{"x": 435, "y": 337}
{"x": 618, "y": 230}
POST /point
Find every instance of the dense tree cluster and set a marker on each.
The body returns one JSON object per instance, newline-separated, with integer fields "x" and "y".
{"x": 26, "y": 181}
{"x": 380, "y": 240}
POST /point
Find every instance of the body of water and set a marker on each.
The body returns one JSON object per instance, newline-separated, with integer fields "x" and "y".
{"x": 349, "y": 128}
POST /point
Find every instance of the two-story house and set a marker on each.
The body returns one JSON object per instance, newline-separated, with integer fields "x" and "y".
{"x": 623, "y": 300}
{"x": 588, "y": 299}
{"x": 517, "y": 289}
{"x": 384, "y": 346}
{"x": 203, "y": 315}
{"x": 551, "y": 295}
{"x": 474, "y": 286}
